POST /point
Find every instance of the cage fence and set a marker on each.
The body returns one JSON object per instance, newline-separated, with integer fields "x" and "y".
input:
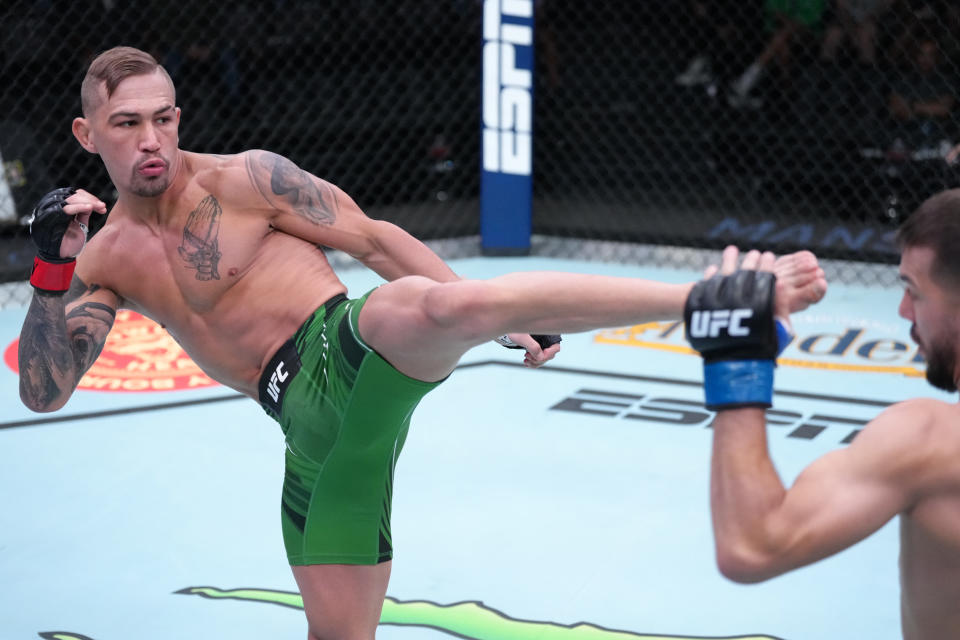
{"x": 659, "y": 127}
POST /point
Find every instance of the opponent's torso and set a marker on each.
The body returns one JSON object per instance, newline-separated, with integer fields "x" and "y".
{"x": 930, "y": 545}
{"x": 225, "y": 284}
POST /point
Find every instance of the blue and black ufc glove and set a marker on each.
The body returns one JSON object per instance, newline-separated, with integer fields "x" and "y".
{"x": 730, "y": 321}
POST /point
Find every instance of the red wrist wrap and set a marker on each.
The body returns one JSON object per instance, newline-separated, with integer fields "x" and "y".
{"x": 54, "y": 277}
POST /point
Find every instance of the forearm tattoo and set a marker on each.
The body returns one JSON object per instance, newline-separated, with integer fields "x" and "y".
{"x": 88, "y": 325}
{"x": 200, "y": 246}
{"x": 310, "y": 198}
{"x": 56, "y": 350}
{"x": 44, "y": 353}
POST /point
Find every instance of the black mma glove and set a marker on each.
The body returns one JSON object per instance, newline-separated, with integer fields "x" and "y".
{"x": 730, "y": 321}
{"x": 543, "y": 340}
{"x": 51, "y": 273}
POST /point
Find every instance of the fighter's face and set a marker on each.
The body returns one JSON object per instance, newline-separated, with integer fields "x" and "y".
{"x": 135, "y": 131}
{"x": 934, "y": 313}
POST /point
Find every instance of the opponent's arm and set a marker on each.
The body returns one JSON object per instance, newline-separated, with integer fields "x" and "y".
{"x": 67, "y": 321}
{"x": 313, "y": 209}
{"x": 762, "y": 529}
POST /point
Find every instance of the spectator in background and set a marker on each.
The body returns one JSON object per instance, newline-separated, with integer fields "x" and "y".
{"x": 911, "y": 21}
{"x": 787, "y": 21}
{"x": 718, "y": 32}
{"x": 854, "y": 21}
{"x": 916, "y": 134}
{"x": 921, "y": 98}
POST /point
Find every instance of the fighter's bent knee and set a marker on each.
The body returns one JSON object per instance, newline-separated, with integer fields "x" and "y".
{"x": 463, "y": 305}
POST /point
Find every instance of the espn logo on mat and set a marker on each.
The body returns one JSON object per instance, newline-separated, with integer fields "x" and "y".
{"x": 507, "y": 86}
{"x": 705, "y": 324}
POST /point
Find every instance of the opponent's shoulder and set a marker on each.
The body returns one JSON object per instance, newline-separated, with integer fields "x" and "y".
{"x": 916, "y": 418}
{"x": 920, "y": 435}
{"x": 931, "y": 444}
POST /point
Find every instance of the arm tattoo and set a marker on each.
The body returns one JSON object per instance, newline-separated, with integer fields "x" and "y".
{"x": 55, "y": 349}
{"x": 310, "y": 198}
{"x": 44, "y": 352}
{"x": 77, "y": 289}
{"x": 200, "y": 248}
{"x": 89, "y": 336}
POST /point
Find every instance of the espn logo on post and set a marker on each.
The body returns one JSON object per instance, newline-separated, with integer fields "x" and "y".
{"x": 508, "y": 86}
{"x": 707, "y": 324}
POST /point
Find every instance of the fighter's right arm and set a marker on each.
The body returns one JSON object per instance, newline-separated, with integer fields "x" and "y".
{"x": 763, "y": 529}
{"x": 68, "y": 321}
{"x": 61, "y": 338}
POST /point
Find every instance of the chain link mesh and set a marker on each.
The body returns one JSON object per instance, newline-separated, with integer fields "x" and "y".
{"x": 778, "y": 123}
{"x": 380, "y": 98}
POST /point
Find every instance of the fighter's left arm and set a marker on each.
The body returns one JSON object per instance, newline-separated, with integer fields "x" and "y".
{"x": 318, "y": 211}
{"x": 303, "y": 205}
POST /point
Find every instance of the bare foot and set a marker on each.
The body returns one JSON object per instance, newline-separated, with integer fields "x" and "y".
{"x": 800, "y": 280}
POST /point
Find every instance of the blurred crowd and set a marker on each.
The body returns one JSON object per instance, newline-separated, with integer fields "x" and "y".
{"x": 894, "y": 61}
{"x": 323, "y": 82}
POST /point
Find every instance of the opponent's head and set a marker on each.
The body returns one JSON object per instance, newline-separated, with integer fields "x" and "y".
{"x": 930, "y": 271}
{"x": 130, "y": 119}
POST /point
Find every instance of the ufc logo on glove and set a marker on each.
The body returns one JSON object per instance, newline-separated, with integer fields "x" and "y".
{"x": 704, "y": 324}
{"x": 730, "y": 322}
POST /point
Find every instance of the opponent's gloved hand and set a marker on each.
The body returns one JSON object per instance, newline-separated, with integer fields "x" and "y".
{"x": 49, "y": 223}
{"x": 730, "y": 321}
{"x": 543, "y": 340}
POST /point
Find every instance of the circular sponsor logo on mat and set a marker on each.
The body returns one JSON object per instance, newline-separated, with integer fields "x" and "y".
{"x": 139, "y": 356}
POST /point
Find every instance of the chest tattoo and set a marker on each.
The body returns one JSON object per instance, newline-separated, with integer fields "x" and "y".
{"x": 200, "y": 246}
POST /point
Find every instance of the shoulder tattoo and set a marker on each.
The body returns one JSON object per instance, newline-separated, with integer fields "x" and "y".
{"x": 311, "y": 198}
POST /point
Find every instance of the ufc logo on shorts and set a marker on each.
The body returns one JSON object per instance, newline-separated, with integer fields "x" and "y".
{"x": 276, "y": 378}
{"x": 705, "y": 324}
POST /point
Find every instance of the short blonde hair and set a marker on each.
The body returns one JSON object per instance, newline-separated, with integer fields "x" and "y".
{"x": 112, "y": 67}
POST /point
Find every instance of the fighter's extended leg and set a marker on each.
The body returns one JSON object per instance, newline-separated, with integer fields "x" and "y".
{"x": 423, "y": 327}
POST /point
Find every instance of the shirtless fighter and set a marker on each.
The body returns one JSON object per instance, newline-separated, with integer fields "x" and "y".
{"x": 223, "y": 252}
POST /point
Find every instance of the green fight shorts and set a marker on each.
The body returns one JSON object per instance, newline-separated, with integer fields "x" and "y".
{"x": 344, "y": 412}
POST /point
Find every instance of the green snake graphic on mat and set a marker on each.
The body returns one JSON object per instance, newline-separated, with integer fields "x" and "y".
{"x": 471, "y": 620}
